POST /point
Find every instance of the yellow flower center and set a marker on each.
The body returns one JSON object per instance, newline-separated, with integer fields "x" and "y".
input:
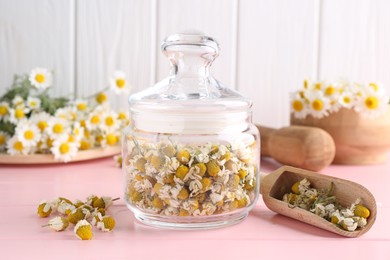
{"x": 58, "y": 128}
{"x": 19, "y": 113}
{"x": 120, "y": 83}
{"x": 99, "y": 138}
{"x": 347, "y": 100}
{"x": 49, "y": 142}
{"x": 109, "y": 121}
{"x": 317, "y": 105}
{"x": 40, "y": 78}
{"x": 101, "y": 98}
{"x": 64, "y": 148}
{"x": 81, "y": 106}
{"x": 330, "y": 90}
{"x": 95, "y": 120}
{"x": 18, "y": 146}
{"x": 374, "y": 86}
{"x": 372, "y": 102}
{"x": 2, "y": 139}
{"x": 318, "y": 86}
{"x": 305, "y": 83}
{"x": 3, "y": 110}
{"x": 111, "y": 139}
{"x": 33, "y": 104}
{"x": 122, "y": 115}
{"x": 42, "y": 125}
{"x": 71, "y": 139}
{"x": 297, "y": 105}
{"x": 29, "y": 134}
{"x": 84, "y": 145}
{"x": 82, "y": 123}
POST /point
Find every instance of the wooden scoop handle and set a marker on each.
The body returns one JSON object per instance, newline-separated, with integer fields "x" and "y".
{"x": 305, "y": 147}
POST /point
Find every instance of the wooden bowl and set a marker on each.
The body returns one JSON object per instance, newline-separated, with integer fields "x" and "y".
{"x": 358, "y": 140}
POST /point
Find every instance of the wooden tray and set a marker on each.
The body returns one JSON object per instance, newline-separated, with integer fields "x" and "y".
{"x": 49, "y": 158}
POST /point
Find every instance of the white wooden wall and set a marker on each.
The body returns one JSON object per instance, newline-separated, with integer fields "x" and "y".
{"x": 268, "y": 46}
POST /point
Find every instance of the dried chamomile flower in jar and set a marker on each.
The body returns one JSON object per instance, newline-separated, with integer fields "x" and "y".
{"x": 83, "y": 230}
{"x": 58, "y": 224}
{"x": 106, "y": 224}
{"x": 44, "y": 209}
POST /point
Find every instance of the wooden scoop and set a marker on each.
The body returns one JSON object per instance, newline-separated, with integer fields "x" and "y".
{"x": 274, "y": 185}
{"x": 305, "y": 147}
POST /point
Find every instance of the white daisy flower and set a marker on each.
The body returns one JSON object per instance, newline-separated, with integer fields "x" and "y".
{"x": 81, "y": 105}
{"x": 347, "y": 99}
{"x": 4, "y": 111}
{"x": 110, "y": 139}
{"x": 77, "y": 131}
{"x": 109, "y": 121}
{"x": 18, "y": 114}
{"x": 57, "y": 127}
{"x": 28, "y": 133}
{"x": 41, "y": 78}
{"x": 17, "y": 101}
{"x": 63, "y": 149}
{"x": 41, "y": 120}
{"x": 15, "y": 147}
{"x": 33, "y": 103}
{"x": 371, "y": 104}
{"x": 94, "y": 120}
{"x": 4, "y": 137}
{"x": 299, "y": 106}
{"x": 319, "y": 105}
{"x": 68, "y": 113}
{"x": 118, "y": 83}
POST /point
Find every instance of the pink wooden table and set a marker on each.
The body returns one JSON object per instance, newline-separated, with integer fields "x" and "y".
{"x": 263, "y": 235}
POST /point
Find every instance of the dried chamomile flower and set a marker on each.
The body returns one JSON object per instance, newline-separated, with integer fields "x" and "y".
{"x": 103, "y": 202}
{"x": 44, "y": 209}
{"x": 106, "y": 224}
{"x": 78, "y": 214}
{"x": 90, "y": 199}
{"x": 83, "y": 230}
{"x": 58, "y": 224}
{"x": 97, "y": 216}
{"x": 65, "y": 208}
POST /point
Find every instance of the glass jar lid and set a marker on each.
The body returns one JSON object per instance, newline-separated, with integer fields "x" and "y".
{"x": 190, "y": 100}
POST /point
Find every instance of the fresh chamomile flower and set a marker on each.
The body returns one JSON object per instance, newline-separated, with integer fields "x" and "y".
{"x": 110, "y": 139}
{"x": 110, "y": 122}
{"x": 101, "y": 98}
{"x": 68, "y": 113}
{"x": 118, "y": 82}
{"x": 347, "y": 99}
{"x": 107, "y": 224}
{"x": 15, "y": 146}
{"x": 298, "y": 105}
{"x": 319, "y": 105}
{"x": 28, "y": 133}
{"x": 18, "y": 114}
{"x": 4, "y": 111}
{"x": 77, "y": 131}
{"x": 83, "y": 230}
{"x": 4, "y": 137}
{"x": 41, "y": 78}
{"x": 63, "y": 149}
{"x": 18, "y": 101}
{"x": 57, "y": 127}
{"x": 41, "y": 120}
{"x": 33, "y": 103}
{"x": 58, "y": 224}
{"x": 371, "y": 104}
{"x": 81, "y": 105}
{"x": 94, "y": 120}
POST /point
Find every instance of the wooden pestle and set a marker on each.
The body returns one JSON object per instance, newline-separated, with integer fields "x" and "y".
{"x": 305, "y": 147}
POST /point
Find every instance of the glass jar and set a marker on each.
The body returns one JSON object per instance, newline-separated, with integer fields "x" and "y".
{"x": 191, "y": 154}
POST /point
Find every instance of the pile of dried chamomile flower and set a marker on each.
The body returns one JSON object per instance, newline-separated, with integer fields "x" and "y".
{"x": 83, "y": 215}
{"x": 325, "y": 205}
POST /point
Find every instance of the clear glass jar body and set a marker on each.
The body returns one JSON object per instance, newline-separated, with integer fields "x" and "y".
{"x": 191, "y": 156}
